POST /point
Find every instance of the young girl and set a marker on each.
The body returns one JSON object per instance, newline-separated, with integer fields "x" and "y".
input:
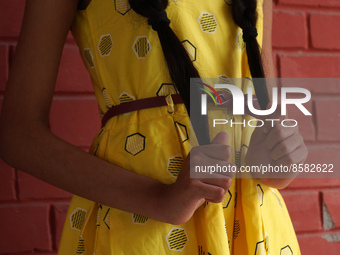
{"x": 134, "y": 194}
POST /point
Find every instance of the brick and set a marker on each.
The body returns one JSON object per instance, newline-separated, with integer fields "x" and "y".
{"x": 304, "y": 210}
{"x": 309, "y": 66}
{"x": 317, "y": 244}
{"x": 323, "y": 155}
{"x": 283, "y": 34}
{"x": 3, "y": 66}
{"x": 24, "y": 228}
{"x": 325, "y": 38}
{"x": 33, "y": 188}
{"x": 328, "y": 120}
{"x": 314, "y": 3}
{"x": 7, "y": 182}
{"x": 76, "y": 120}
{"x": 11, "y": 14}
{"x": 73, "y": 75}
{"x": 314, "y": 183}
{"x": 331, "y": 200}
{"x": 314, "y": 85}
{"x": 60, "y": 211}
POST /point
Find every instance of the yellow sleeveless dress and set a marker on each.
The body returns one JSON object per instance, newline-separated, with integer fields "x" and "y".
{"x": 124, "y": 57}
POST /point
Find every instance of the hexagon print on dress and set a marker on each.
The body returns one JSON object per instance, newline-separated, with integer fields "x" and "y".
{"x": 88, "y": 57}
{"x": 226, "y": 199}
{"x": 286, "y": 251}
{"x": 260, "y": 193}
{"x": 77, "y": 218}
{"x": 177, "y": 239}
{"x": 107, "y": 218}
{"x": 238, "y": 158}
{"x": 260, "y": 248}
{"x": 135, "y": 144}
{"x": 175, "y": 164}
{"x": 139, "y": 219}
{"x": 166, "y": 89}
{"x": 122, "y": 6}
{"x": 99, "y": 215}
{"x": 81, "y": 246}
{"x": 207, "y": 22}
{"x": 141, "y": 47}
{"x": 107, "y": 99}
{"x": 239, "y": 39}
{"x": 191, "y": 49}
{"x": 237, "y": 228}
{"x": 125, "y": 97}
{"x": 224, "y": 79}
{"x": 183, "y": 132}
{"x": 105, "y": 45}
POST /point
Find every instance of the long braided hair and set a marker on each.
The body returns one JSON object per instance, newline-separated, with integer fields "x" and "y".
{"x": 180, "y": 66}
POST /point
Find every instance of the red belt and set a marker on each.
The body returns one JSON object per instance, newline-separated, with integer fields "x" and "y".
{"x": 151, "y": 102}
{"x": 140, "y": 104}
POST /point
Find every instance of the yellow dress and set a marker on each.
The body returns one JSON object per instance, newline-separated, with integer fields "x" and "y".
{"x": 124, "y": 57}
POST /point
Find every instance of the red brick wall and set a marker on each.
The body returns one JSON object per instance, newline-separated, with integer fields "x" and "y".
{"x": 306, "y": 44}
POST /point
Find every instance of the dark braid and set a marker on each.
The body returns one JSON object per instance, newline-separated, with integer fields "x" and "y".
{"x": 245, "y": 16}
{"x": 180, "y": 66}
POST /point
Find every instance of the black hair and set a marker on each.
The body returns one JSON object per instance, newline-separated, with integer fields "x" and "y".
{"x": 245, "y": 16}
{"x": 180, "y": 66}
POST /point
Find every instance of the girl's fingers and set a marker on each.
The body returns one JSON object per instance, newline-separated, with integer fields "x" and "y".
{"x": 224, "y": 183}
{"x": 286, "y": 147}
{"x": 220, "y": 138}
{"x": 296, "y": 157}
{"x": 213, "y": 151}
{"x": 211, "y": 157}
{"x": 218, "y": 149}
{"x": 277, "y": 134}
{"x": 212, "y": 193}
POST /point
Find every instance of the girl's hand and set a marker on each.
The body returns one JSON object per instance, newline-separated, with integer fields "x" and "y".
{"x": 181, "y": 199}
{"x": 276, "y": 145}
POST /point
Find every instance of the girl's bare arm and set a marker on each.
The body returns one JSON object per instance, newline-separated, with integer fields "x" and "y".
{"x": 27, "y": 143}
